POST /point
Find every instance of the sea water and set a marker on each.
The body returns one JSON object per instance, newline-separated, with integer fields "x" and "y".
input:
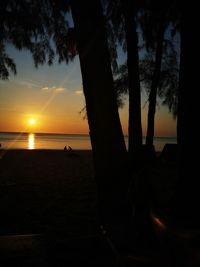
{"x": 59, "y": 141}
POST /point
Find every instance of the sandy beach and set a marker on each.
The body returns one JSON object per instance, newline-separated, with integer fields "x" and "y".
{"x": 44, "y": 189}
{"x": 40, "y": 189}
{"x": 48, "y": 210}
{"x": 53, "y": 193}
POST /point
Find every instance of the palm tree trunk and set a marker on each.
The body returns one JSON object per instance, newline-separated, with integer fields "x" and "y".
{"x": 154, "y": 86}
{"x": 108, "y": 146}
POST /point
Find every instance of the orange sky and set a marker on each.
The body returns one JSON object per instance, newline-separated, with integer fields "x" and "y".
{"x": 53, "y": 97}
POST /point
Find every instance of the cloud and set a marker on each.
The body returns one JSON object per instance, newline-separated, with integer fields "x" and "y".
{"x": 28, "y": 84}
{"x": 59, "y": 89}
{"x": 53, "y": 89}
{"x": 78, "y": 92}
{"x": 45, "y": 89}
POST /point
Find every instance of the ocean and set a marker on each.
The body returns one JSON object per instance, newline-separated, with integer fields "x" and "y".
{"x": 59, "y": 141}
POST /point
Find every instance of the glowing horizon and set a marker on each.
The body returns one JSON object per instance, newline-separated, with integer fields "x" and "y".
{"x": 49, "y": 100}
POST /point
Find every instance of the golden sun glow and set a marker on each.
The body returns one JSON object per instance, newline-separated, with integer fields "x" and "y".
{"x": 32, "y": 121}
{"x": 31, "y": 141}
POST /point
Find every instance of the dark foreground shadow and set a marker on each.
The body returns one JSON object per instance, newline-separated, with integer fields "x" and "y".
{"x": 169, "y": 153}
{"x": 35, "y": 250}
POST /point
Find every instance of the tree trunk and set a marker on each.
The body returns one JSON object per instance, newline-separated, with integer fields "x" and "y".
{"x": 108, "y": 146}
{"x": 135, "y": 125}
{"x": 154, "y": 86}
{"x": 187, "y": 198}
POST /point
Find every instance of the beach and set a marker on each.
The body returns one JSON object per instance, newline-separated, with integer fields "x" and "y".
{"x": 46, "y": 188}
{"x": 43, "y": 188}
{"x": 48, "y": 210}
{"x": 53, "y": 193}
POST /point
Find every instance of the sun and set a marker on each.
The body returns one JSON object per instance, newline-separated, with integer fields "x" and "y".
{"x": 32, "y": 121}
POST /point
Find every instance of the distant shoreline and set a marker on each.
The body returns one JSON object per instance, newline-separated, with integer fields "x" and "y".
{"x": 78, "y": 134}
{"x": 44, "y": 133}
{"x": 52, "y": 141}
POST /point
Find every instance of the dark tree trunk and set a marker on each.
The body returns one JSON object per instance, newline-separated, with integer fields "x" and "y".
{"x": 135, "y": 125}
{"x": 109, "y": 151}
{"x": 154, "y": 86}
{"x": 187, "y": 197}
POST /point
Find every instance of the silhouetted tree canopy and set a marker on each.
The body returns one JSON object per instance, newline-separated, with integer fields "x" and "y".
{"x": 121, "y": 83}
{"x": 7, "y": 64}
{"x": 168, "y": 82}
{"x": 39, "y": 26}
{"x": 42, "y": 28}
{"x": 148, "y": 16}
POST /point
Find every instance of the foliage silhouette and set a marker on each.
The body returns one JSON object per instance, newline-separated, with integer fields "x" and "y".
{"x": 122, "y": 29}
{"x": 19, "y": 27}
{"x": 38, "y": 26}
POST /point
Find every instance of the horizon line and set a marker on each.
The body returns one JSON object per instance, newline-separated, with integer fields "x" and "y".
{"x": 125, "y": 135}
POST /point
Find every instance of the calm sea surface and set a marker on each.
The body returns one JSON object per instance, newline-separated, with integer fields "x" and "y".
{"x": 59, "y": 141}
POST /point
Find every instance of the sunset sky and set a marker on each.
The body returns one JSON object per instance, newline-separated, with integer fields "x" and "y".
{"x": 49, "y": 99}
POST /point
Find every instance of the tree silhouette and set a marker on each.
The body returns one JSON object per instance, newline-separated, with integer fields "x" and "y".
{"x": 168, "y": 82}
{"x": 7, "y": 65}
{"x": 19, "y": 27}
{"x": 107, "y": 140}
{"x": 153, "y": 20}
{"x": 155, "y": 24}
{"x": 182, "y": 212}
{"x": 167, "y": 88}
{"x": 185, "y": 201}
{"x": 38, "y": 26}
{"x": 121, "y": 83}
{"x": 122, "y": 25}
{"x": 130, "y": 10}
{"x": 49, "y": 35}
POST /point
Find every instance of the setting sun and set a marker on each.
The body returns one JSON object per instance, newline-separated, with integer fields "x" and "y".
{"x": 32, "y": 121}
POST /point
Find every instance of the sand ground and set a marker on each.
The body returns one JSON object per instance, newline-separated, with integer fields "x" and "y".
{"x": 44, "y": 189}
{"x": 40, "y": 189}
{"x": 53, "y": 194}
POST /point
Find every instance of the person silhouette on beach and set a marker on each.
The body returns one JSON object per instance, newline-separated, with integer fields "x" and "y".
{"x": 69, "y": 148}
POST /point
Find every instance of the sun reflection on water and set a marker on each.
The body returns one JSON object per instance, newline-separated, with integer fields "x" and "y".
{"x": 31, "y": 141}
